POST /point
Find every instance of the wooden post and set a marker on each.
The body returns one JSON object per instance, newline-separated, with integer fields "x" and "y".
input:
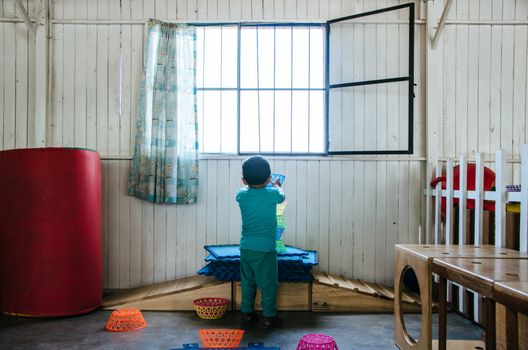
{"x": 429, "y": 214}
{"x": 438, "y": 202}
{"x": 462, "y": 167}
{"x": 512, "y": 327}
{"x": 478, "y": 231}
{"x": 449, "y": 202}
{"x": 442, "y": 314}
{"x": 462, "y": 222}
{"x": 434, "y": 78}
{"x": 500, "y": 200}
{"x": 37, "y": 131}
{"x": 479, "y": 200}
{"x": 489, "y": 306}
{"x": 449, "y": 215}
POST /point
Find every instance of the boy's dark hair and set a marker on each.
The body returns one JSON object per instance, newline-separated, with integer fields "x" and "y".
{"x": 256, "y": 170}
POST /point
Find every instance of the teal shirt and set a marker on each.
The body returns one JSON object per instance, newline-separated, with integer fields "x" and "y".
{"x": 258, "y": 207}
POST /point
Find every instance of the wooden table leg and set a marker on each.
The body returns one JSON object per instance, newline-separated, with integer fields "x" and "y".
{"x": 442, "y": 314}
{"x": 489, "y": 307}
{"x": 512, "y": 337}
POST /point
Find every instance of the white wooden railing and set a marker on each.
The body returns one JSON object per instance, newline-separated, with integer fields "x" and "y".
{"x": 434, "y": 233}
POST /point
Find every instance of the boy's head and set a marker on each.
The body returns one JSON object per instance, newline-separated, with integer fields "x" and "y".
{"x": 256, "y": 171}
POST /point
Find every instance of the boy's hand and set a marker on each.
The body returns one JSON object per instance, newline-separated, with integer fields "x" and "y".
{"x": 277, "y": 183}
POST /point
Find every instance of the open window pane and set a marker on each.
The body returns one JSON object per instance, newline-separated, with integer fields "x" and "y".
{"x": 249, "y": 121}
{"x": 266, "y": 57}
{"x": 270, "y": 99}
{"x": 229, "y": 122}
{"x": 212, "y": 51}
{"x": 266, "y": 121}
{"x": 248, "y": 58}
{"x": 369, "y": 117}
{"x": 301, "y": 56}
{"x": 211, "y": 117}
{"x": 229, "y": 56}
{"x": 370, "y": 97}
{"x": 283, "y": 56}
{"x": 199, "y": 104}
{"x": 200, "y": 52}
{"x": 300, "y": 119}
{"x": 317, "y": 58}
{"x": 317, "y": 122}
{"x": 370, "y": 47}
{"x": 283, "y": 119}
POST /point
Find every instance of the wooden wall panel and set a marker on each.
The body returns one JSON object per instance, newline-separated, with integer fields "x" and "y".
{"x": 146, "y": 242}
{"x": 351, "y": 210}
{"x": 484, "y": 80}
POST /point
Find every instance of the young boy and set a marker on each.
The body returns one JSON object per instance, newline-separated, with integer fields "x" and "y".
{"x": 258, "y": 255}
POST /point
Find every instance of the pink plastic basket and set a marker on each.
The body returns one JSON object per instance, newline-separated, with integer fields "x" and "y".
{"x": 316, "y": 342}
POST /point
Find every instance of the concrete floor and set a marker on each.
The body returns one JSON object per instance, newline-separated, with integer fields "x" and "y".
{"x": 170, "y": 330}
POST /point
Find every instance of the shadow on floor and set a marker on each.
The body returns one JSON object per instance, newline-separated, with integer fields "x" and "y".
{"x": 170, "y": 330}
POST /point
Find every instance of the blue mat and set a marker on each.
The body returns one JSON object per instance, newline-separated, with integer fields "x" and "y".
{"x": 231, "y": 272}
{"x": 231, "y": 251}
{"x": 251, "y": 346}
{"x": 224, "y": 263}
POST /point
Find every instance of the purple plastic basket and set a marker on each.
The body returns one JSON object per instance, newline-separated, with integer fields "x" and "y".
{"x": 316, "y": 342}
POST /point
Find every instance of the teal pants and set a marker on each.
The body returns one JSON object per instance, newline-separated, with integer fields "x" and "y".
{"x": 259, "y": 270}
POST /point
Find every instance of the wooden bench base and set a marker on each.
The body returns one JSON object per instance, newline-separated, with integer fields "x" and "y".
{"x": 327, "y": 293}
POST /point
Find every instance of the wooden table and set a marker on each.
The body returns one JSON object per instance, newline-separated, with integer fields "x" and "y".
{"x": 514, "y": 295}
{"x": 479, "y": 275}
{"x": 420, "y": 259}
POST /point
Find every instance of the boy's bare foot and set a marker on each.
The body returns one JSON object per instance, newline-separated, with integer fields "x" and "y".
{"x": 272, "y": 322}
{"x": 248, "y": 320}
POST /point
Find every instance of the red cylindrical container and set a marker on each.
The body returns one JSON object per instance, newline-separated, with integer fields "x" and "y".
{"x": 50, "y": 231}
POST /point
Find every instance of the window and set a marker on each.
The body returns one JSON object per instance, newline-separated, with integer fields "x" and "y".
{"x": 341, "y": 87}
{"x": 371, "y": 82}
{"x": 261, "y": 88}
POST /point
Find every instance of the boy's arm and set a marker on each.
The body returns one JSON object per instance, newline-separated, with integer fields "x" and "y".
{"x": 280, "y": 197}
{"x": 238, "y": 194}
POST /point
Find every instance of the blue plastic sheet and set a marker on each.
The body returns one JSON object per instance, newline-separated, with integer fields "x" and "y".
{"x": 230, "y": 251}
{"x": 310, "y": 258}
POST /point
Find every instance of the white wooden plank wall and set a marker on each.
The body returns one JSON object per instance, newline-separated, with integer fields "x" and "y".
{"x": 17, "y": 77}
{"x": 331, "y": 207}
{"x": 329, "y": 210}
{"x": 484, "y": 79}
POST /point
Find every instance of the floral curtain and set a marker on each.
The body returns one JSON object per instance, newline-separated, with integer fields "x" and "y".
{"x": 165, "y": 163}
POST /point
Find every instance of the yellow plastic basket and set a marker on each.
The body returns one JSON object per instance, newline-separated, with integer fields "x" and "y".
{"x": 211, "y": 308}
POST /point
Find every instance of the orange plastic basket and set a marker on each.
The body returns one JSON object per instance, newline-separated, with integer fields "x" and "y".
{"x": 221, "y": 338}
{"x": 124, "y": 320}
{"x": 211, "y": 308}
